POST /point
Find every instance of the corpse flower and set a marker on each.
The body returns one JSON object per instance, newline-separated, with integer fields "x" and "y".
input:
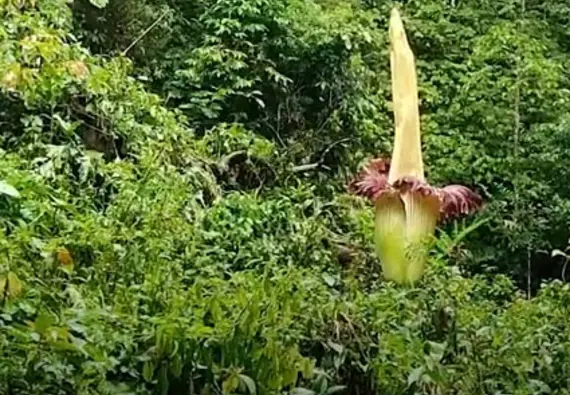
{"x": 407, "y": 207}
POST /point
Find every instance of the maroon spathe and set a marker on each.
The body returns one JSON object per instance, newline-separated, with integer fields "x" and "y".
{"x": 372, "y": 183}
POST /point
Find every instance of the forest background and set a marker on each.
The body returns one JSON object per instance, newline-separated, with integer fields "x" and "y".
{"x": 173, "y": 208}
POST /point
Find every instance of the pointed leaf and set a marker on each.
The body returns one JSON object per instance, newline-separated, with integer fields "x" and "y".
{"x": 99, "y": 3}
{"x": 335, "y": 346}
{"x": 329, "y": 280}
{"x": 415, "y": 376}
{"x": 557, "y": 252}
{"x": 249, "y": 383}
{"x": 148, "y": 370}
{"x": 9, "y": 190}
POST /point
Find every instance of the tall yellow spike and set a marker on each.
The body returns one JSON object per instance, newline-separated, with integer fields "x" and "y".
{"x": 407, "y": 154}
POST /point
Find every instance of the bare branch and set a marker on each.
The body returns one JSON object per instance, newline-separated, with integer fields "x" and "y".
{"x": 317, "y": 164}
{"x": 145, "y": 32}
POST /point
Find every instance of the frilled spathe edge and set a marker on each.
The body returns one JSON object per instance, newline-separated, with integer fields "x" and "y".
{"x": 458, "y": 200}
{"x": 372, "y": 183}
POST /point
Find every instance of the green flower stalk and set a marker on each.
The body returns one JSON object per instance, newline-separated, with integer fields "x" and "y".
{"x": 407, "y": 207}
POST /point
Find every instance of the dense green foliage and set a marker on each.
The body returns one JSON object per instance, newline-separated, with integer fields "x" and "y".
{"x": 173, "y": 218}
{"x": 313, "y": 78}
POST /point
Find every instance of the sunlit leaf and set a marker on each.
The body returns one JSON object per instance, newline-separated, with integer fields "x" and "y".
{"x": 99, "y": 3}
{"x": 249, "y": 383}
{"x": 14, "y": 285}
{"x": 148, "y": 370}
{"x": 3, "y": 283}
{"x": 9, "y": 190}
{"x": 65, "y": 260}
{"x": 415, "y": 375}
{"x": 230, "y": 384}
{"x": 43, "y": 322}
{"x": 302, "y": 391}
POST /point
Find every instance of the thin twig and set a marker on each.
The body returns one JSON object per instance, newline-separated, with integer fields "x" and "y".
{"x": 528, "y": 270}
{"x": 312, "y": 166}
{"x": 144, "y": 33}
{"x": 226, "y": 159}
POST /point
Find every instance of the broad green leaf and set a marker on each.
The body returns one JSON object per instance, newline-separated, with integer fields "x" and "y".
{"x": 148, "y": 370}
{"x": 307, "y": 368}
{"x": 43, "y": 322}
{"x": 415, "y": 375}
{"x": 176, "y": 366}
{"x": 329, "y": 280}
{"x": 230, "y": 384}
{"x": 14, "y": 285}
